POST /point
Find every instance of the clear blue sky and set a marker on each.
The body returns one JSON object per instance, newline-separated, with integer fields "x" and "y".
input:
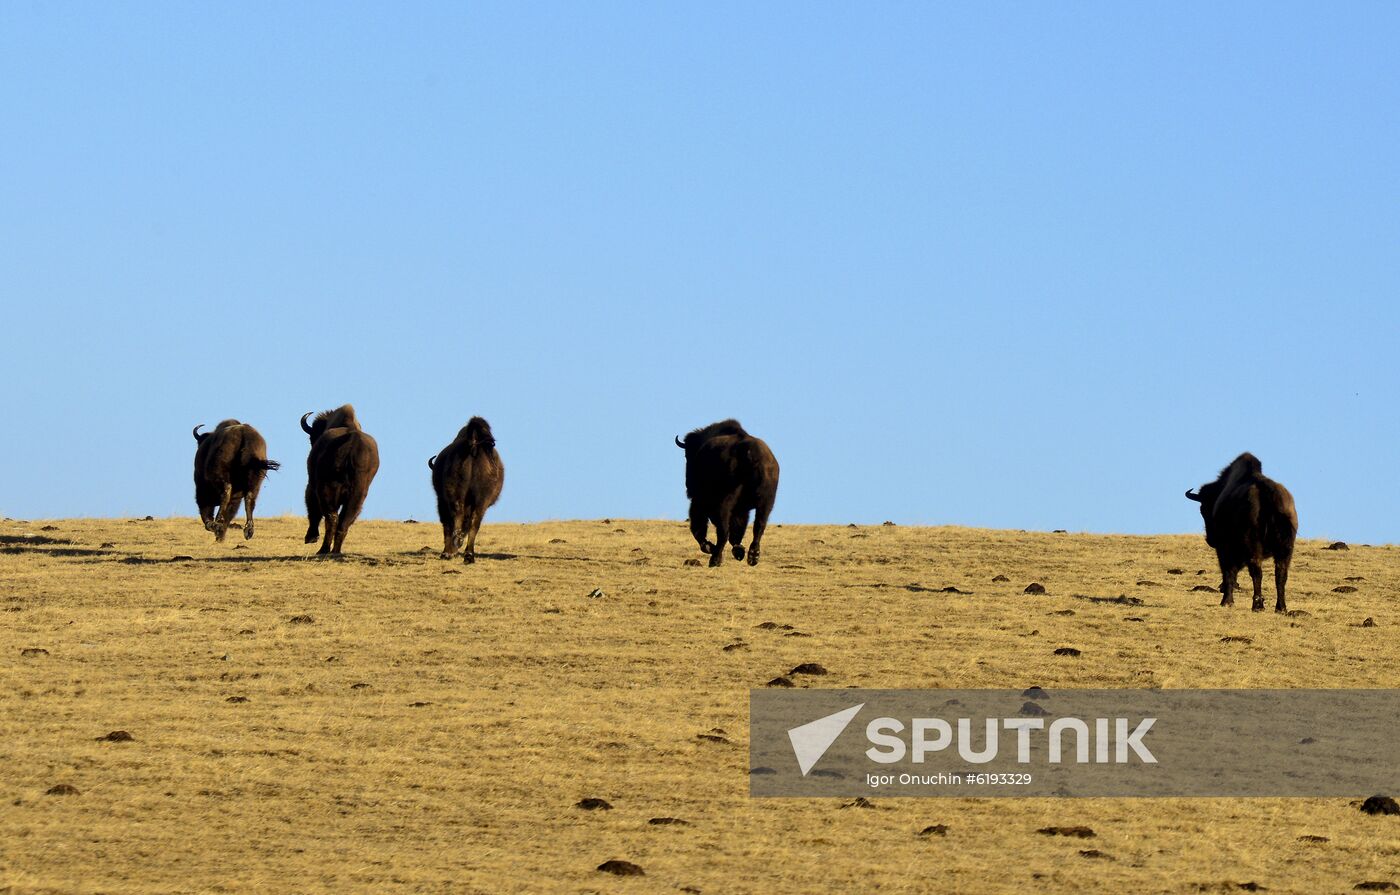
{"x": 1012, "y": 265}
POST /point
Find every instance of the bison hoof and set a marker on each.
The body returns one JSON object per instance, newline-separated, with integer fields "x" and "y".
{"x": 312, "y": 536}
{"x": 1281, "y": 608}
{"x": 248, "y": 532}
{"x": 706, "y": 546}
{"x": 1258, "y": 606}
{"x": 1227, "y": 601}
{"x": 753, "y": 557}
{"x": 738, "y": 551}
{"x": 446, "y": 554}
{"x": 469, "y": 557}
{"x": 716, "y": 558}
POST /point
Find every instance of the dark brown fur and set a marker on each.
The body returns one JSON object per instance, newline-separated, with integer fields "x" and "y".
{"x": 339, "y": 468}
{"x": 467, "y": 477}
{"x": 230, "y": 465}
{"x": 728, "y": 472}
{"x": 1249, "y": 517}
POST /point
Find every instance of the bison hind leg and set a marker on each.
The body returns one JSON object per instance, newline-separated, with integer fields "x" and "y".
{"x": 1228, "y": 582}
{"x": 700, "y": 527}
{"x": 332, "y": 520}
{"x": 738, "y": 527}
{"x": 451, "y": 540}
{"x": 1281, "y": 564}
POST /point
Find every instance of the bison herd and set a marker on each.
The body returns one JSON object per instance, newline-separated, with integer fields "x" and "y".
{"x": 728, "y": 475}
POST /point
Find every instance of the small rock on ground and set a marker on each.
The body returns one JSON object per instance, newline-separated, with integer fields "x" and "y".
{"x": 621, "y": 868}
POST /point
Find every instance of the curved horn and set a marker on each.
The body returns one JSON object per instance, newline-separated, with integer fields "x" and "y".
{"x": 680, "y": 444}
{"x": 304, "y": 427}
{"x": 196, "y": 431}
{"x": 430, "y": 461}
{"x": 1191, "y": 496}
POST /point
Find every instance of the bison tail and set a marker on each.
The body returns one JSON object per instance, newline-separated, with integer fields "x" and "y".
{"x": 267, "y": 465}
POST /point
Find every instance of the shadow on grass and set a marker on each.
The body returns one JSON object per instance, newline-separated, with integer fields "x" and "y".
{"x": 32, "y": 540}
{"x": 59, "y": 551}
{"x": 94, "y": 555}
{"x": 1121, "y": 600}
{"x": 425, "y": 553}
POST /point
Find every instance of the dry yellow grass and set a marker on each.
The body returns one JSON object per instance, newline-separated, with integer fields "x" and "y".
{"x": 433, "y": 726}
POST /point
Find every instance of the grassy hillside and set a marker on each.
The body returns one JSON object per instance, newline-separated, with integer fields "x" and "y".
{"x": 393, "y": 721}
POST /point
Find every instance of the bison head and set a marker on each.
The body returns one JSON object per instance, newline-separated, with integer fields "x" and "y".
{"x": 1206, "y": 497}
{"x": 477, "y": 433}
{"x": 315, "y": 430}
{"x": 343, "y": 417}
{"x": 322, "y": 421}
{"x": 699, "y": 436}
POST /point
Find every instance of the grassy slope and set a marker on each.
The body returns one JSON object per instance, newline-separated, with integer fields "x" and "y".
{"x": 537, "y": 695}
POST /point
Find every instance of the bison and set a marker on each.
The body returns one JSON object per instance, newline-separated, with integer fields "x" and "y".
{"x": 339, "y": 469}
{"x": 728, "y": 472}
{"x": 229, "y": 466}
{"x": 1249, "y": 517}
{"x": 467, "y": 476}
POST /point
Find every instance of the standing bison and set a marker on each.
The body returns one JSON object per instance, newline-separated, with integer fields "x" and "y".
{"x": 339, "y": 468}
{"x": 467, "y": 476}
{"x": 728, "y": 472}
{"x": 1249, "y": 517}
{"x": 229, "y": 466}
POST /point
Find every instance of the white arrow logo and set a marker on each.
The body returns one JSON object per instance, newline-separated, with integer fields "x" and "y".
{"x": 811, "y": 740}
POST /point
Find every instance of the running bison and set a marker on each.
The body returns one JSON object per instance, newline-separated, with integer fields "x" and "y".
{"x": 728, "y": 472}
{"x": 467, "y": 476}
{"x": 1249, "y": 518}
{"x": 229, "y": 466}
{"x": 339, "y": 468}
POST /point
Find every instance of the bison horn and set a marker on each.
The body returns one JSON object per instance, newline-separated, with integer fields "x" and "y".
{"x": 304, "y": 427}
{"x": 430, "y": 460}
{"x": 196, "y": 431}
{"x": 1191, "y": 496}
{"x": 680, "y": 444}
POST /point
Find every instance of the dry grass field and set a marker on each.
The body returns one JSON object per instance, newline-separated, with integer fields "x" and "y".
{"x": 396, "y": 722}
